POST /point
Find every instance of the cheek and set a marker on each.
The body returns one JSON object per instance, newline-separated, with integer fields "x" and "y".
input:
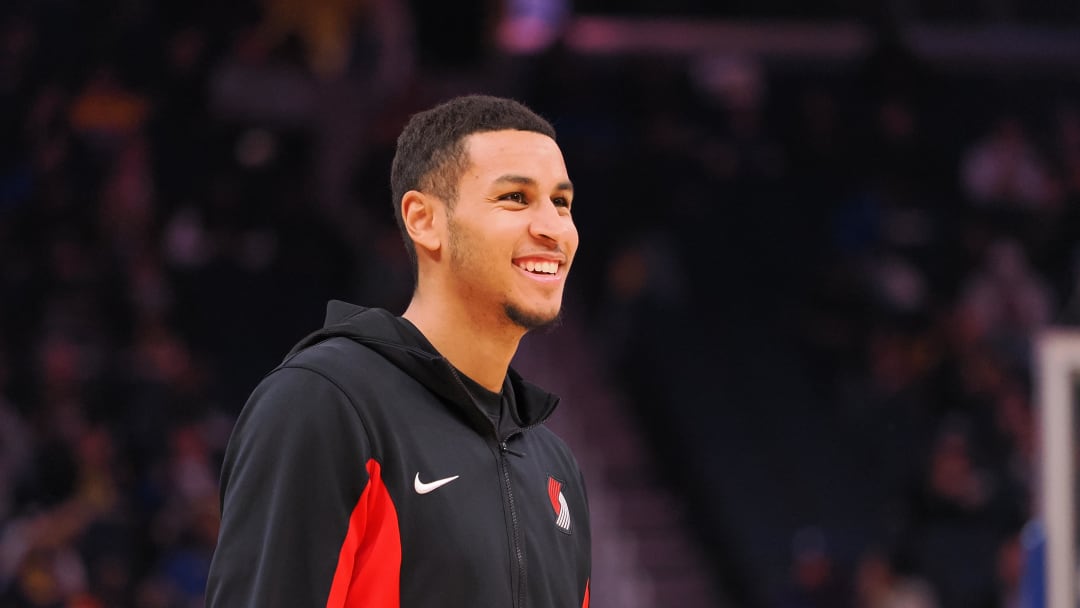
{"x": 476, "y": 257}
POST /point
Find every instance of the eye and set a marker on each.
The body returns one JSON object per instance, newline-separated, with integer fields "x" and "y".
{"x": 560, "y": 201}
{"x": 517, "y": 197}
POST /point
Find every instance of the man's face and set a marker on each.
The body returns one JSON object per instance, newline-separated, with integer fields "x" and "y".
{"x": 511, "y": 238}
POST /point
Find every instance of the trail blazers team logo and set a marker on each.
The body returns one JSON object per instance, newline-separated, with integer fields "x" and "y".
{"x": 558, "y": 503}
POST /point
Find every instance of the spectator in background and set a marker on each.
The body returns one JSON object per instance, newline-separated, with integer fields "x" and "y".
{"x": 355, "y": 59}
{"x": 1007, "y": 300}
{"x": 1005, "y": 169}
{"x": 531, "y": 26}
{"x": 106, "y": 111}
{"x": 739, "y": 146}
{"x": 15, "y": 450}
{"x": 1010, "y": 567}
{"x": 878, "y": 584}
{"x": 815, "y": 582}
{"x": 1067, "y": 148}
{"x": 961, "y": 513}
{"x": 47, "y": 557}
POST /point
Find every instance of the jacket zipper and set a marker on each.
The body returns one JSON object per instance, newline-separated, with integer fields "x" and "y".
{"x": 504, "y": 470}
{"x": 519, "y": 553}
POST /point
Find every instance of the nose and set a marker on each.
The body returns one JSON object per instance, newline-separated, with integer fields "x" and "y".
{"x": 549, "y": 222}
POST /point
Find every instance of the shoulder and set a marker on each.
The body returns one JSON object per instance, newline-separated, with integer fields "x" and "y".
{"x": 294, "y": 418}
{"x": 356, "y": 369}
{"x": 294, "y": 398}
{"x": 373, "y": 386}
{"x": 334, "y": 356}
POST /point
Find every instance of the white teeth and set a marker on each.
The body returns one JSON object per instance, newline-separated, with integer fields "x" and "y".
{"x": 544, "y": 267}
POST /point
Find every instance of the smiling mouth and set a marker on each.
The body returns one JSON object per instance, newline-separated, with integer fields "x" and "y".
{"x": 541, "y": 268}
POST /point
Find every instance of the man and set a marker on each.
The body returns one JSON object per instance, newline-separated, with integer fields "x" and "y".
{"x": 399, "y": 461}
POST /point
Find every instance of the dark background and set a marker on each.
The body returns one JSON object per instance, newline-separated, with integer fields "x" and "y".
{"x": 811, "y": 278}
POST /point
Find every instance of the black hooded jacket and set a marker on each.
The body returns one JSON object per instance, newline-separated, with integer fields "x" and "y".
{"x": 364, "y": 472}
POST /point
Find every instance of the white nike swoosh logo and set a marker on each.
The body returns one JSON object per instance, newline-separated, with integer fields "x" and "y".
{"x": 424, "y": 488}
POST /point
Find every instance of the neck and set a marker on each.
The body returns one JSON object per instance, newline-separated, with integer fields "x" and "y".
{"x": 479, "y": 345}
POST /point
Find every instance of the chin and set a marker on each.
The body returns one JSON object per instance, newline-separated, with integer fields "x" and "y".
{"x": 531, "y": 320}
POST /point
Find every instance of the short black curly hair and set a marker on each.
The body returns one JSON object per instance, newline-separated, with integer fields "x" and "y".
{"x": 431, "y": 155}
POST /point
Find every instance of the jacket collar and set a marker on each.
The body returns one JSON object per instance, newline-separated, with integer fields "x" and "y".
{"x": 388, "y": 335}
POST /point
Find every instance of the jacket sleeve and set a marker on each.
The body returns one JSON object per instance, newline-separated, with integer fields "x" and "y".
{"x": 292, "y": 479}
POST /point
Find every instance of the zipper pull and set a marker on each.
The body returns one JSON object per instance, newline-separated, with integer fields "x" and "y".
{"x": 506, "y": 449}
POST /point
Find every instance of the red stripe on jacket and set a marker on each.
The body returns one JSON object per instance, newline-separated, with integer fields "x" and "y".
{"x": 368, "y": 571}
{"x": 553, "y": 493}
{"x": 585, "y": 603}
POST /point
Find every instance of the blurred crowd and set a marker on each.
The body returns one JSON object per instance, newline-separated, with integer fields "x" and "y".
{"x": 960, "y": 242}
{"x": 171, "y": 186}
{"x": 183, "y": 185}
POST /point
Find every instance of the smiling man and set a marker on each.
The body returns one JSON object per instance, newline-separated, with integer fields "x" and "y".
{"x": 399, "y": 460}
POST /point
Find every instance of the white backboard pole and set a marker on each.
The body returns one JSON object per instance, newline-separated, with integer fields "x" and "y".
{"x": 1058, "y": 368}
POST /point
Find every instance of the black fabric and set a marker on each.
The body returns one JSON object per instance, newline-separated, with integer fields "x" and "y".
{"x": 368, "y": 393}
{"x": 492, "y": 404}
{"x": 384, "y": 333}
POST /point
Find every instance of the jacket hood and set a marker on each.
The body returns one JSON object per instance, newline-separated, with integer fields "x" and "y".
{"x": 388, "y": 336}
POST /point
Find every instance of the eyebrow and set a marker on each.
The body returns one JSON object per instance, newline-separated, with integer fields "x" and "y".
{"x": 522, "y": 180}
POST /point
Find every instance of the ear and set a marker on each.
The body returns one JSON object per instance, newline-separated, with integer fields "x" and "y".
{"x": 420, "y": 213}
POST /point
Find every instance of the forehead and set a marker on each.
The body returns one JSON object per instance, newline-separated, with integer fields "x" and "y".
{"x": 521, "y": 152}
